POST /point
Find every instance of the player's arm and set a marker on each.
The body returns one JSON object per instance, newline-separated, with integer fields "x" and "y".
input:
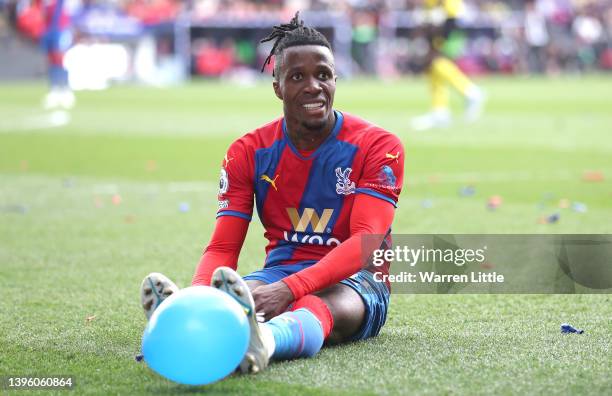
{"x": 370, "y": 216}
{"x": 222, "y": 250}
{"x": 234, "y": 214}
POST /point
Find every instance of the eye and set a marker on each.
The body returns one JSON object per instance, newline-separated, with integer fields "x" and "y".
{"x": 323, "y": 76}
{"x": 296, "y": 76}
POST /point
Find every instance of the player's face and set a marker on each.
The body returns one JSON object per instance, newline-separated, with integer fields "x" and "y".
{"x": 306, "y": 85}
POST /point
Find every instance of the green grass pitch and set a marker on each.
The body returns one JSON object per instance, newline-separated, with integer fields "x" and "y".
{"x": 68, "y": 253}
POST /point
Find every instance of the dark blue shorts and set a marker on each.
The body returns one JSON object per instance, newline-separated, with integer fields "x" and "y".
{"x": 375, "y": 295}
{"x": 57, "y": 40}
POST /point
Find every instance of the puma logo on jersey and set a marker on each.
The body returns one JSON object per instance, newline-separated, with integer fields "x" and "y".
{"x": 266, "y": 178}
{"x": 393, "y": 157}
{"x": 226, "y": 160}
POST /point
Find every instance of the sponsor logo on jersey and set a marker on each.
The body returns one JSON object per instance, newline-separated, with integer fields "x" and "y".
{"x": 318, "y": 224}
{"x": 309, "y": 216}
{"x": 272, "y": 182}
{"x": 223, "y": 204}
{"x": 344, "y": 186}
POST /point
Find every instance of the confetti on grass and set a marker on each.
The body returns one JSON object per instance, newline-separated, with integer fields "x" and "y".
{"x": 567, "y": 328}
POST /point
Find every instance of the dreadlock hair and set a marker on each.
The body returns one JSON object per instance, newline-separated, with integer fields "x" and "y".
{"x": 291, "y": 34}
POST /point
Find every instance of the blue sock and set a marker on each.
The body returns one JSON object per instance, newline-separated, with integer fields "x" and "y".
{"x": 296, "y": 334}
{"x": 58, "y": 76}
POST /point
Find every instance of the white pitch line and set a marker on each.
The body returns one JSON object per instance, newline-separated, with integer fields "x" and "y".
{"x": 50, "y": 120}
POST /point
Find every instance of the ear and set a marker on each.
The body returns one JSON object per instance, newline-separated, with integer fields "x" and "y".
{"x": 277, "y": 89}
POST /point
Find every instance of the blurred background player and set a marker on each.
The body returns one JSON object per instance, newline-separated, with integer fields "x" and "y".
{"x": 442, "y": 33}
{"x": 56, "y": 40}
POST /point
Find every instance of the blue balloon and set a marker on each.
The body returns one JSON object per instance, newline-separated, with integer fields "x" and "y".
{"x": 196, "y": 336}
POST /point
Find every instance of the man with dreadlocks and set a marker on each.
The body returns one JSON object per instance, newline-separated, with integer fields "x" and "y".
{"x": 321, "y": 179}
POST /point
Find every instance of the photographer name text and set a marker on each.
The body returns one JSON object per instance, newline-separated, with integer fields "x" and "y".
{"x": 432, "y": 277}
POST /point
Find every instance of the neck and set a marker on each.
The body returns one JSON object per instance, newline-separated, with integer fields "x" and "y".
{"x": 304, "y": 138}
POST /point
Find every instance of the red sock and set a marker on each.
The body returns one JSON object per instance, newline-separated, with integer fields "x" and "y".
{"x": 319, "y": 309}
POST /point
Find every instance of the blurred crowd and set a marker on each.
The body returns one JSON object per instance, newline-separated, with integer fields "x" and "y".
{"x": 512, "y": 36}
{"x": 384, "y": 38}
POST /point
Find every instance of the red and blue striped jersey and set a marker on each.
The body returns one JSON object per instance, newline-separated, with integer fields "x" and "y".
{"x": 304, "y": 202}
{"x": 56, "y": 15}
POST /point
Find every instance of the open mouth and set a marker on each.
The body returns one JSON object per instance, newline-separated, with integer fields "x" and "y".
{"x": 313, "y": 106}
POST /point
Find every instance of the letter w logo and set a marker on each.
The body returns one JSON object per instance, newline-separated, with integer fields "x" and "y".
{"x": 300, "y": 222}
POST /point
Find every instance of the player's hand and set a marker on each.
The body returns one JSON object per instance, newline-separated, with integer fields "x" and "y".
{"x": 273, "y": 299}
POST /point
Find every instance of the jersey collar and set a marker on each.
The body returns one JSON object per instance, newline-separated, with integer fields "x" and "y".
{"x": 332, "y": 136}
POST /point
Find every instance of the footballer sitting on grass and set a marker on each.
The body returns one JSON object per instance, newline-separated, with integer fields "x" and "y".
{"x": 321, "y": 179}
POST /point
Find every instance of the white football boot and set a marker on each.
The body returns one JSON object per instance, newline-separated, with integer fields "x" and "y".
{"x": 52, "y": 99}
{"x": 155, "y": 288}
{"x": 474, "y": 104}
{"x": 261, "y": 342}
{"x": 67, "y": 99}
{"x": 438, "y": 118}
